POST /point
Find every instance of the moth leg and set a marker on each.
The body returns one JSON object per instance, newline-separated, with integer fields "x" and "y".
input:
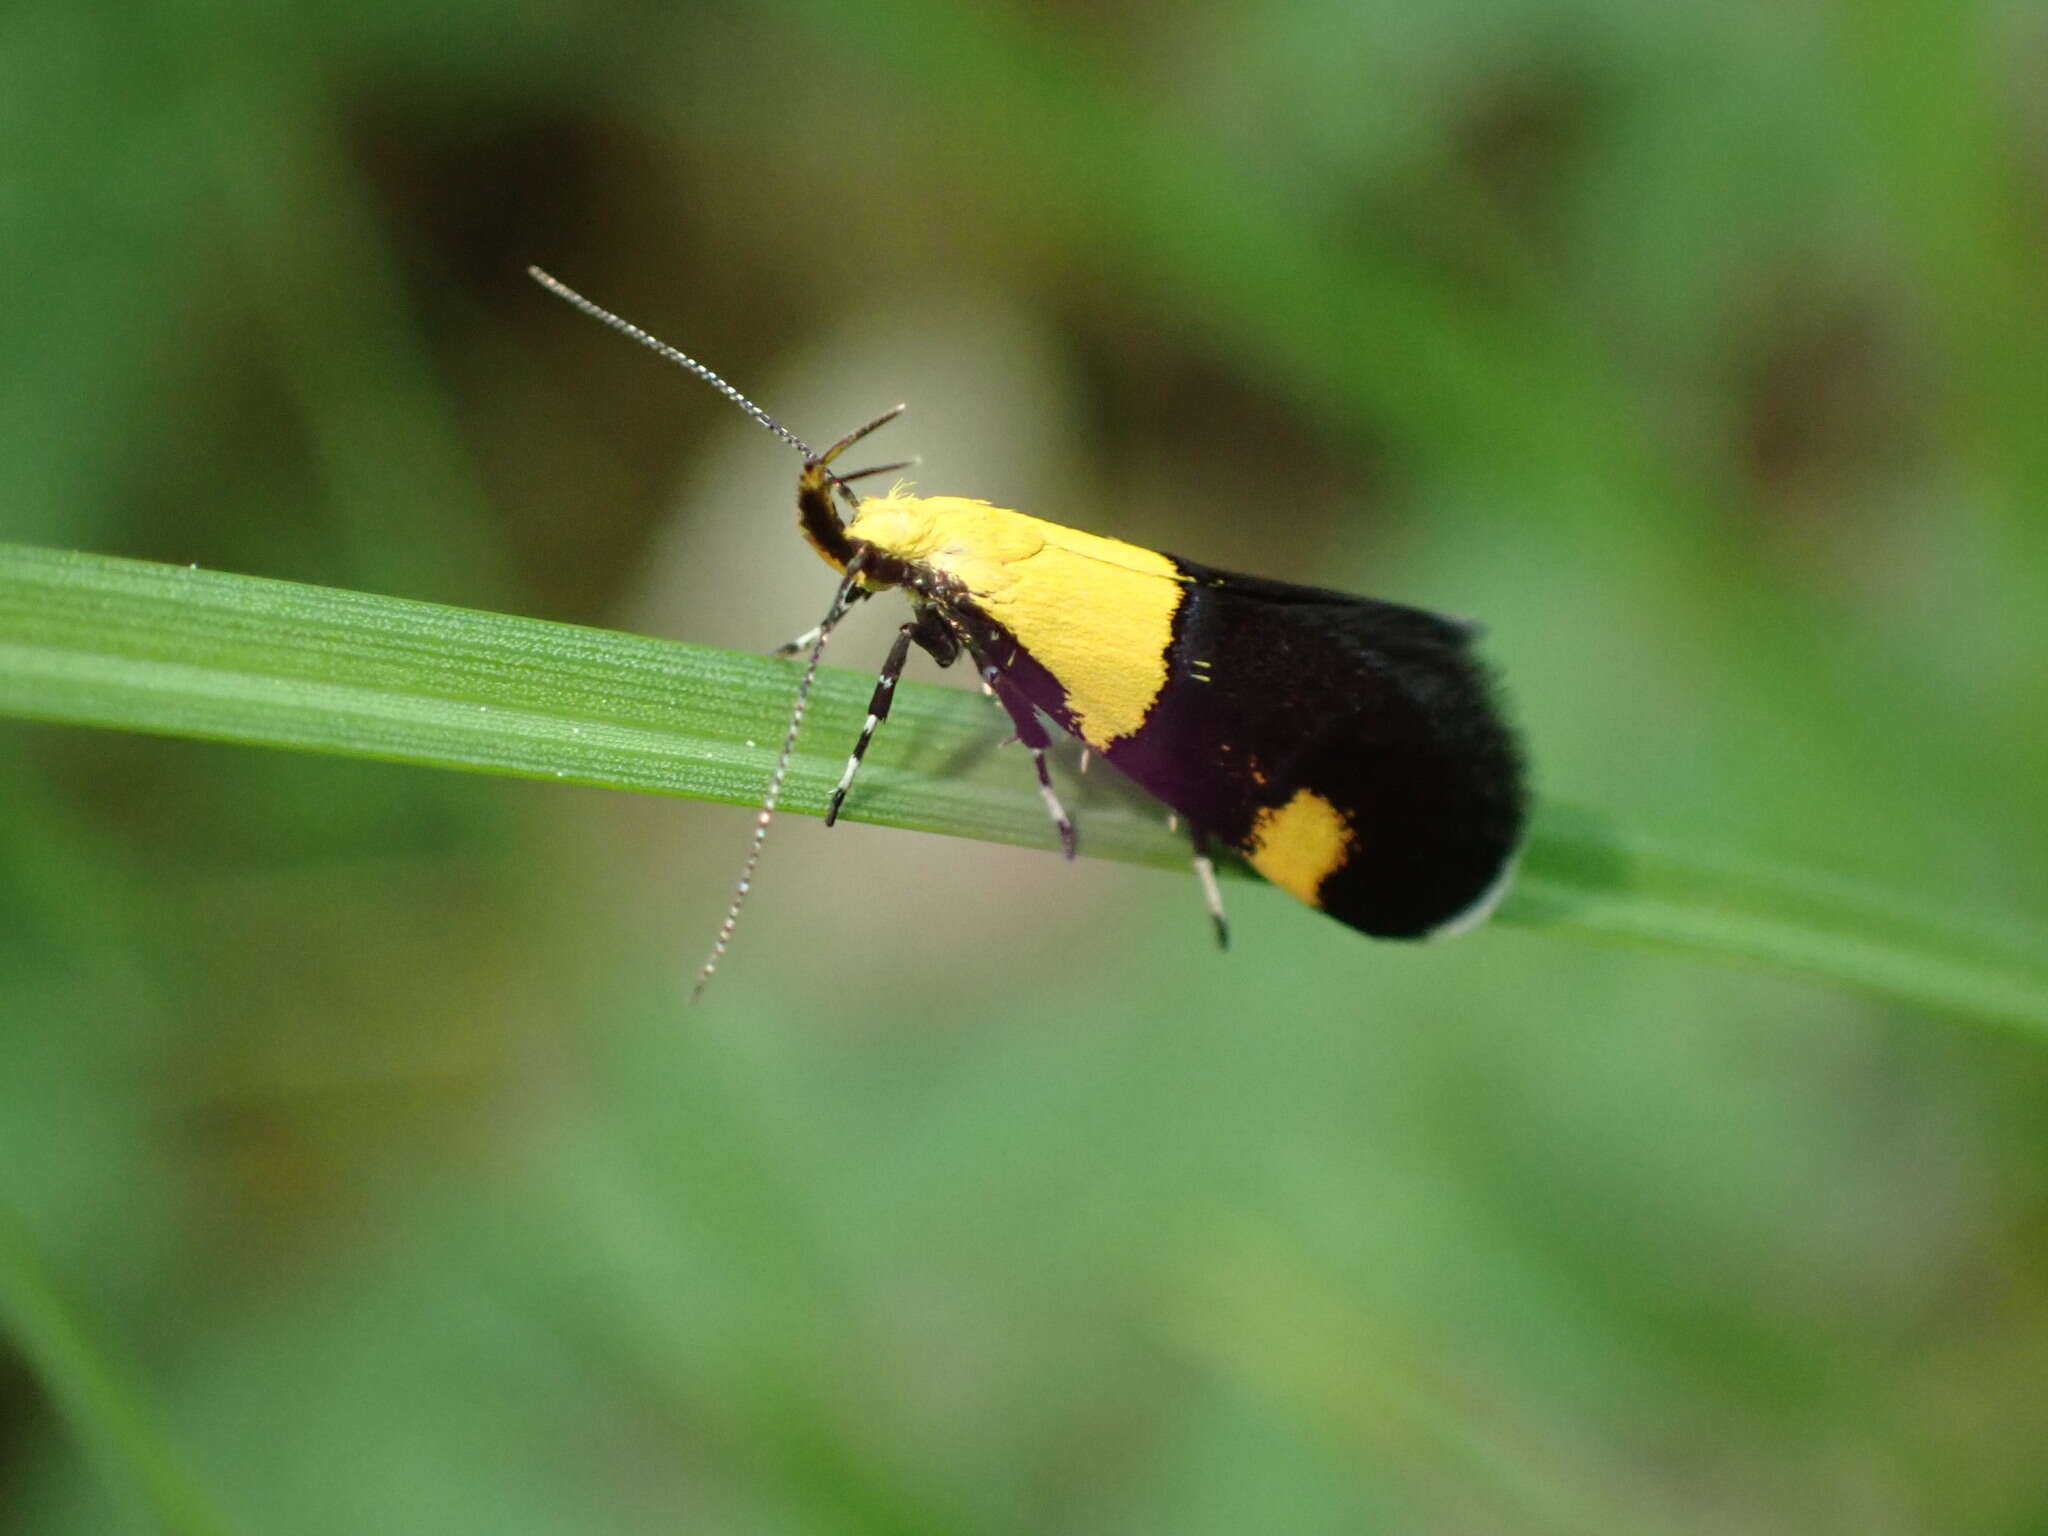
{"x": 808, "y": 638}
{"x": 1205, "y": 872}
{"x": 935, "y": 637}
{"x": 928, "y": 631}
{"x": 1033, "y": 734}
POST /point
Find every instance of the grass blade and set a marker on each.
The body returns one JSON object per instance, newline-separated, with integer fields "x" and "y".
{"x": 91, "y": 640}
{"x": 109, "y": 1413}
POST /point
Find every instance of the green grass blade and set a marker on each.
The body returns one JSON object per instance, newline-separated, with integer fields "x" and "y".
{"x": 108, "y": 1412}
{"x": 91, "y": 640}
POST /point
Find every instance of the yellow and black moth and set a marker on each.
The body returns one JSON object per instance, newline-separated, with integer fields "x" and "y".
{"x": 1353, "y": 751}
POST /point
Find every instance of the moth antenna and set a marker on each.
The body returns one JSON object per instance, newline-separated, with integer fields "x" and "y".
{"x": 681, "y": 359}
{"x": 840, "y": 603}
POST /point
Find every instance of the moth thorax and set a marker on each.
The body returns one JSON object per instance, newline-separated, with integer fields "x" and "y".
{"x": 896, "y": 525}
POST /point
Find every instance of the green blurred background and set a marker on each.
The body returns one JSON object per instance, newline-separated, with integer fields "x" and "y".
{"x": 359, "y": 1167}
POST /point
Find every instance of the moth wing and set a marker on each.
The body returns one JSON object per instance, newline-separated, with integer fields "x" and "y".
{"x": 1354, "y": 750}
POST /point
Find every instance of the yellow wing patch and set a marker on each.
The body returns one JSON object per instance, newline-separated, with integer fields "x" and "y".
{"x": 1096, "y": 613}
{"x": 1301, "y": 844}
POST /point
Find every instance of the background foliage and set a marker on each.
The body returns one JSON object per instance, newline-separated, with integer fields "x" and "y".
{"x": 358, "y": 1166}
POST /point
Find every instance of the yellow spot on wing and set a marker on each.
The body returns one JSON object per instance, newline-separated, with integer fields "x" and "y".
{"x": 1096, "y": 613}
{"x": 1301, "y": 844}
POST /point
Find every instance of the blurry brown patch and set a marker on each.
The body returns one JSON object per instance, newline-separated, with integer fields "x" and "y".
{"x": 1820, "y": 406}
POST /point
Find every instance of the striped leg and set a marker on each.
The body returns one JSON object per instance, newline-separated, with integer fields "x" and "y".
{"x": 804, "y": 641}
{"x": 1032, "y": 733}
{"x": 878, "y": 710}
{"x": 801, "y": 643}
{"x": 1205, "y": 872}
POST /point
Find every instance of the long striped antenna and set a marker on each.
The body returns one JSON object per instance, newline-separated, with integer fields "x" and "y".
{"x": 681, "y": 359}
{"x": 841, "y": 601}
{"x": 850, "y": 591}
